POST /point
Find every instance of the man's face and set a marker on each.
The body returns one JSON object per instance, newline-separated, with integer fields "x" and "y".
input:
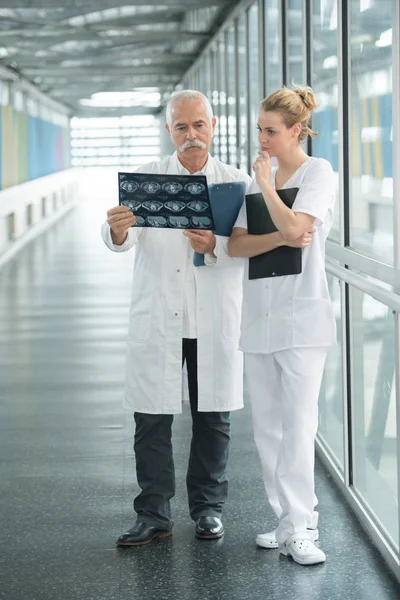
{"x": 191, "y": 129}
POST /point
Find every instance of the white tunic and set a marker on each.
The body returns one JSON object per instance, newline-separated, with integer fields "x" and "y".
{"x": 294, "y": 311}
{"x": 160, "y": 280}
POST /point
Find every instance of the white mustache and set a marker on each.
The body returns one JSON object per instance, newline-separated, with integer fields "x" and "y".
{"x": 192, "y": 144}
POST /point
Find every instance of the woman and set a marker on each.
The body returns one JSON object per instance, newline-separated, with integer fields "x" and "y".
{"x": 288, "y": 322}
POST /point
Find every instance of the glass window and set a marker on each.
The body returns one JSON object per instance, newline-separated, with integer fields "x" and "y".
{"x": 371, "y": 185}
{"x": 125, "y": 141}
{"x": 139, "y": 141}
{"x": 331, "y": 396}
{"x": 223, "y": 121}
{"x": 18, "y": 100}
{"x": 242, "y": 74}
{"x": 195, "y": 79}
{"x": 112, "y": 132}
{"x": 231, "y": 95}
{"x": 273, "y": 69}
{"x": 255, "y": 87}
{"x": 325, "y": 84}
{"x": 215, "y": 100}
{"x": 200, "y": 77}
{"x": 97, "y": 123}
{"x": 295, "y": 71}
{"x": 4, "y": 93}
{"x": 374, "y": 407}
{"x": 207, "y": 76}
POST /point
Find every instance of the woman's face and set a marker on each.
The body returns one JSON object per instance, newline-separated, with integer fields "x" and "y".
{"x": 274, "y": 136}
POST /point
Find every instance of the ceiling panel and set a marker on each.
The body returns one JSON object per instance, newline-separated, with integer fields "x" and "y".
{"x": 91, "y": 46}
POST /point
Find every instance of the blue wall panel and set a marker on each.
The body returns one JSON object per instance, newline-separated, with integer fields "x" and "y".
{"x": 34, "y": 146}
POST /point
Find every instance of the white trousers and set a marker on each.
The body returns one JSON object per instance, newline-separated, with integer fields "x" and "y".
{"x": 283, "y": 388}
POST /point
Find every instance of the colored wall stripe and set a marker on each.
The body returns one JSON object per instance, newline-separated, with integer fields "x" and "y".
{"x": 325, "y": 146}
{"x": 355, "y": 137}
{"x": 1, "y": 146}
{"x": 385, "y": 108}
{"x": 377, "y": 146}
{"x": 367, "y": 170}
{"x": 30, "y": 147}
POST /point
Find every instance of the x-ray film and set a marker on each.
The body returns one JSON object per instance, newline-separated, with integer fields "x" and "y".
{"x": 167, "y": 201}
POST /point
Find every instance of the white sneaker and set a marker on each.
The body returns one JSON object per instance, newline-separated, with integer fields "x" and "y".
{"x": 302, "y": 550}
{"x": 268, "y": 540}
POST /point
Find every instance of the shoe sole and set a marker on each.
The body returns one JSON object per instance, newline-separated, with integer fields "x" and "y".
{"x": 271, "y": 546}
{"x": 275, "y": 546}
{"x": 214, "y": 536}
{"x": 304, "y": 562}
{"x": 159, "y": 534}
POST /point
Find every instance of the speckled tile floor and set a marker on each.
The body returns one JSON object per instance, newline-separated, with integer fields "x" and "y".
{"x": 66, "y": 467}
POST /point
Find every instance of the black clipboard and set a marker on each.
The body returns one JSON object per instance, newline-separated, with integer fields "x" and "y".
{"x": 281, "y": 261}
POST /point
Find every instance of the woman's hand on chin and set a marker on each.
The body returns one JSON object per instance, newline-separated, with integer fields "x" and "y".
{"x": 262, "y": 167}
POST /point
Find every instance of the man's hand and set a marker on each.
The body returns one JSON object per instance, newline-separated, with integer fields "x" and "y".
{"x": 120, "y": 219}
{"x": 303, "y": 241}
{"x": 202, "y": 241}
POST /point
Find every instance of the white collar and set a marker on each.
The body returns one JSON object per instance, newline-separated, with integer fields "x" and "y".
{"x": 178, "y": 166}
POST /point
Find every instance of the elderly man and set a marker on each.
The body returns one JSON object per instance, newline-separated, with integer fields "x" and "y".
{"x": 180, "y": 313}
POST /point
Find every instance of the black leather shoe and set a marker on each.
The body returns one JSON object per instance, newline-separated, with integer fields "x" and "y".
{"x": 140, "y": 534}
{"x": 209, "y": 528}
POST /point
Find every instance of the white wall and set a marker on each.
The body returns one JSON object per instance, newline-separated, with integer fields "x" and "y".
{"x": 166, "y": 146}
{"x": 27, "y": 209}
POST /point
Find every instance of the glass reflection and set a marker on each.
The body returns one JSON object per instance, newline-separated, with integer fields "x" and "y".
{"x": 374, "y": 407}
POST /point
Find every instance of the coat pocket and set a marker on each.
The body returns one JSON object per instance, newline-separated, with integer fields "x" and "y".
{"x": 139, "y": 329}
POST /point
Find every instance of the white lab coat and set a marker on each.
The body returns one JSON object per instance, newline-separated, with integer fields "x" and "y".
{"x": 154, "y": 359}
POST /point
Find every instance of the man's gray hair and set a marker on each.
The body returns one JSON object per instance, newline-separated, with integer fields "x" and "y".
{"x": 187, "y": 96}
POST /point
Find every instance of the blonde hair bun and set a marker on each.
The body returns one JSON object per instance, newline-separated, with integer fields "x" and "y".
{"x": 307, "y": 96}
{"x": 295, "y": 106}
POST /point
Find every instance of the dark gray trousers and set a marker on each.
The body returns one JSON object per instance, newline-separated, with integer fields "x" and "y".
{"x": 206, "y": 480}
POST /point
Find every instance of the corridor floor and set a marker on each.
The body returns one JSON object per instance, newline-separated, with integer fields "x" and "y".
{"x": 66, "y": 459}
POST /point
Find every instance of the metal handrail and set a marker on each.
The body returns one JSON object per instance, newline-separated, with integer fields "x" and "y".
{"x": 387, "y": 297}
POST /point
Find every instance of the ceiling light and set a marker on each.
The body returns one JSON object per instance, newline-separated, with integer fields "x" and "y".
{"x": 330, "y": 62}
{"x": 365, "y": 5}
{"x": 362, "y": 38}
{"x": 385, "y": 39}
{"x": 123, "y": 99}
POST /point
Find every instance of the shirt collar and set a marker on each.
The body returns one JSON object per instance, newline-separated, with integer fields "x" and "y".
{"x": 178, "y": 166}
